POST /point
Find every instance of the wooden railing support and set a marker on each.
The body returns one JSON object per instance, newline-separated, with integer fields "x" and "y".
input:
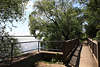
{"x": 38, "y": 47}
{"x": 95, "y": 48}
{"x": 69, "y": 48}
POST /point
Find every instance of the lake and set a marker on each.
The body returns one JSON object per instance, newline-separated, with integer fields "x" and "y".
{"x": 27, "y": 46}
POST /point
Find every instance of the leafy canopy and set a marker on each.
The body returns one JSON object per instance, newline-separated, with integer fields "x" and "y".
{"x": 92, "y": 16}
{"x": 11, "y": 9}
{"x": 55, "y": 20}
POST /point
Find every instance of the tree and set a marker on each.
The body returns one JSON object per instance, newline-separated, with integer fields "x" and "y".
{"x": 91, "y": 29}
{"x": 98, "y": 33}
{"x": 11, "y": 10}
{"x": 6, "y": 45}
{"x": 91, "y": 15}
{"x": 55, "y": 20}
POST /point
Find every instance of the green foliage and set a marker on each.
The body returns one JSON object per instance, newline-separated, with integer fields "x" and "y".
{"x": 98, "y": 27}
{"x": 98, "y": 35}
{"x": 5, "y": 46}
{"x": 54, "y": 21}
{"x": 91, "y": 29}
{"x": 91, "y": 14}
{"x": 11, "y": 9}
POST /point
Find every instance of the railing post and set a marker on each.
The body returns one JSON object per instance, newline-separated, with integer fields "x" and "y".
{"x": 11, "y": 52}
{"x": 38, "y": 46}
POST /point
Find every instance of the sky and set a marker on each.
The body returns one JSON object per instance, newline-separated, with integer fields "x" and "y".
{"x": 22, "y": 27}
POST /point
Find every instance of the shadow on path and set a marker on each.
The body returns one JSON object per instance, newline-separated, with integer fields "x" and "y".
{"x": 75, "y": 60}
{"x": 28, "y": 62}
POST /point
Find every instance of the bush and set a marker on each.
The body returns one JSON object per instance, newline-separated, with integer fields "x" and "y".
{"x": 98, "y": 35}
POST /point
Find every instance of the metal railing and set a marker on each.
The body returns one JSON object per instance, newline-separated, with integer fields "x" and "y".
{"x": 66, "y": 47}
{"x": 7, "y": 56}
{"x": 93, "y": 47}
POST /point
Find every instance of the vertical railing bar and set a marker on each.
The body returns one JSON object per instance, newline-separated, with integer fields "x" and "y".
{"x": 11, "y": 53}
{"x": 38, "y": 46}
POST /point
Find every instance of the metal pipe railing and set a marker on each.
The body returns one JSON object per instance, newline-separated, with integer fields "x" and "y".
{"x": 11, "y": 54}
{"x": 39, "y": 46}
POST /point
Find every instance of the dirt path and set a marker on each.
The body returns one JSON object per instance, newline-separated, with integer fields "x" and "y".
{"x": 44, "y": 64}
{"x": 86, "y": 58}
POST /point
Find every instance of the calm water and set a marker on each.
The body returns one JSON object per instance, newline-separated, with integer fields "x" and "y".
{"x": 27, "y": 46}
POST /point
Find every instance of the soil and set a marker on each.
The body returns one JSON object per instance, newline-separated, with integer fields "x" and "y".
{"x": 46, "y": 64}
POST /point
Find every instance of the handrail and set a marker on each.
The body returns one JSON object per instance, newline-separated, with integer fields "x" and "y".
{"x": 18, "y": 36}
{"x": 38, "y": 47}
{"x": 94, "y": 49}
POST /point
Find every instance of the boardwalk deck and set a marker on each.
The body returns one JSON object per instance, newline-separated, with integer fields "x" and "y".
{"x": 86, "y": 58}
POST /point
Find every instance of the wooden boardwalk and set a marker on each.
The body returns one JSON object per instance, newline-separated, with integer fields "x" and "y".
{"x": 86, "y": 58}
{"x": 82, "y": 57}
